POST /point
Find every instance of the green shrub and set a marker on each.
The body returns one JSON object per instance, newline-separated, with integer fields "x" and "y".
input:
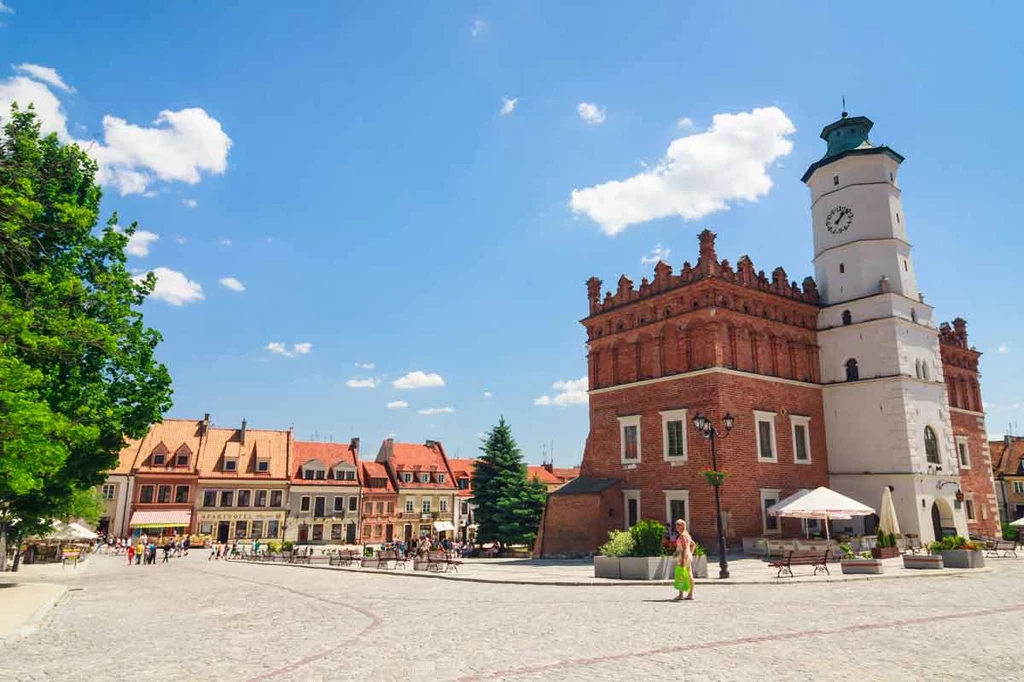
{"x": 287, "y": 546}
{"x": 698, "y": 550}
{"x": 273, "y": 546}
{"x": 953, "y": 542}
{"x": 620, "y": 544}
{"x": 1010, "y": 532}
{"x": 647, "y": 537}
{"x": 847, "y": 551}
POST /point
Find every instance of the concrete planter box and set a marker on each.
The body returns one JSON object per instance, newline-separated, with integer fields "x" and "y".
{"x": 870, "y": 566}
{"x": 962, "y": 558}
{"x": 606, "y": 567}
{"x": 700, "y": 567}
{"x": 646, "y": 568}
{"x": 924, "y": 561}
{"x": 885, "y": 552}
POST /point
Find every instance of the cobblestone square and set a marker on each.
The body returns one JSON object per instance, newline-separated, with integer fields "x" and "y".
{"x": 193, "y": 619}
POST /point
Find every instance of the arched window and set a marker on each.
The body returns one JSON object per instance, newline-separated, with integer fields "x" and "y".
{"x": 842, "y": 268}
{"x": 917, "y": 368}
{"x": 931, "y": 446}
{"x": 913, "y": 315}
{"x": 924, "y": 370}
{"x": 852, "y": 373}
{"x": 847, "y": 318}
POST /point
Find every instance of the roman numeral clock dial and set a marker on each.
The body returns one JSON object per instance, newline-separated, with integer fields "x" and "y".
{"x": 839, "y": 219}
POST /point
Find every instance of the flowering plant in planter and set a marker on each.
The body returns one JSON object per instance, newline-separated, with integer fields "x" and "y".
{"x": 715, "y": 478}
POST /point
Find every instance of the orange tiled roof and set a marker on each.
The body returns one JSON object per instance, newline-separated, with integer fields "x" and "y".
{"x": 542, "y": 475}
{"x": 1007, "y": 461}
{"x": 376, "y": 470}
{"x": 329, "y": 454}
{"x": 126, "y": 458}
{"x": 172, "y": 434}
{"x": 418, "y": 459}
{"x": 566, "y": 473}
{"x": 259, "y": 443}
{"x": 463, "y": 469}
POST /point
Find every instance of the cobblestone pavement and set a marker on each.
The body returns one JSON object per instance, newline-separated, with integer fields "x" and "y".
{"x": 197, "y": 620}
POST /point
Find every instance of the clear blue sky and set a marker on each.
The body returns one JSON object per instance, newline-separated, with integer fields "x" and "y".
{"x": 380, "y": 207}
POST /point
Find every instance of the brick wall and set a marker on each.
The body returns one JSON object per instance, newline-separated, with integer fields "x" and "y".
{"x": 576, "y": 525}
{"x": 978, "y": 481}
{"x": 713, "y": 393}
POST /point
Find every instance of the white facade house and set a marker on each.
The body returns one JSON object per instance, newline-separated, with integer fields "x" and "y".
{"x": 887, "y": 420}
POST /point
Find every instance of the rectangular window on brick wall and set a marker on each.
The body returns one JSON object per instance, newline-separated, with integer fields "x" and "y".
{"x": 969, "y": 506}
{"x": 962, "y": 453}
{"x": 629, "y": 436}
{"x": 673, "y": 436}
{"x": 801, "y": 439}
{"x": 677, "y": 504}
{"x": 765, "y": 433}
{"x": 769, "y": 523}
{"x": 631, "y": 504}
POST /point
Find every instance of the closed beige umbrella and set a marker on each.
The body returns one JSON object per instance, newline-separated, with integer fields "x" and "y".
{"x": 888, "y": 523}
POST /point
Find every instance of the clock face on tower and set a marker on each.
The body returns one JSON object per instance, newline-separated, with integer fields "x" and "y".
{"x": 839, "y": 219}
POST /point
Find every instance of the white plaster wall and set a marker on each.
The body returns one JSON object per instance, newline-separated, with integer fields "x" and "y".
{"x": 864, "y": 264}
{"x": 874, "y": 345}
{"x": 877, "y": 307}
{"x": 907, "y": 496}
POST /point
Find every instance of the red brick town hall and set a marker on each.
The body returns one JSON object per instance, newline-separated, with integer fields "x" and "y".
{"x": 844, "y": 380}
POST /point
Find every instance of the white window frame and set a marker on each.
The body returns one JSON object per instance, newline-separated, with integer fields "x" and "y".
{"x": 673, "y": 416}
{"x": 676, "y": 496}
{"x": 761, "y": 416}
{"x": 440, "y": 478}
{"x": 631, "y": 420}
{"x": 442, "y": 504}
{"x": 628, "y": 495}
{"x": 963, "y": 440}
{"x": 770, "y": 494}
{"x": 307, "y": 502}
{"x": 410, "y": 505}
{"x": 1018, "y": 487}
{"x": 424, "y": 478}
{"x": 108, "y": 491}
{"x": 339, "y": 503}
{"x": 796, "y": 420}
{"x": 353, "y": 504}
{"x": 425, "y": 505}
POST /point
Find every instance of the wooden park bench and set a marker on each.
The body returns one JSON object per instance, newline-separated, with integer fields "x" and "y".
{"x": 792, "y": 558}
{"x": 998, "y": 548}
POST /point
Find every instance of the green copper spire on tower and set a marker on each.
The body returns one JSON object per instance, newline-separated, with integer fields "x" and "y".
{"x": 846, "y": 134}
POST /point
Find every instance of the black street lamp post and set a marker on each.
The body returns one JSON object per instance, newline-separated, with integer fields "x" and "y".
{"x": 707, "y": 429}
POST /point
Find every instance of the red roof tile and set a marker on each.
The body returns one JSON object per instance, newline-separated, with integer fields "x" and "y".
{"x": 375, "y": 470}
{"x": 328, "y": 454}
{"x": 418, "y": 459}
{"x": 542, "y": 475}
{"x": 1007, "y": 461}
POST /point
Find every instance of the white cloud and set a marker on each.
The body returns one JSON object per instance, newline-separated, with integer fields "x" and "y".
{"x": 418, "y": 379}
{"x": 232, "y": 283}
{"x": 488, "y": 394}
{"x": 191, "y": 203}
{"x": 570, "y": 392}
{"x": 174, "y": 287}
{"x": 225, "y": 242}
{"x": 591, "y": 113}
{"x": 280, "y": 348}
{"x": 180, "y": 146}
{"x": 397, "y": 405}
{"x": 685, "y": 123}
{"x": 366, "y": 365}
{"x": 478, "y": 27}
{"x": 431, "y": 411}
{"x": 356, "y": 382}
{"x": 699, "y": 174}
{"x": 5, "y": 9}
{"x": 138, "y": 243}
{"x": 1004, "y": 349}
{"x": 180, "y": 240}
{"x": 26, "y": 91}
{"x": 44, "y": 74}
{"x": 658, "y": 253}
{"x": 508, "y": 105}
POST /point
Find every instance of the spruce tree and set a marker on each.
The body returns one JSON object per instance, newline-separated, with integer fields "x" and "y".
{"x": 508, "y": 505}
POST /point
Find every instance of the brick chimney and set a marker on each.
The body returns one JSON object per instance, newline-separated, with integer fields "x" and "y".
{"x": 242, "y": 435}
{"x": 354, "y": 444}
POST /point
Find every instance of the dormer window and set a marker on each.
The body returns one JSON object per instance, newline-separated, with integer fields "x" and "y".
{"x": 350, "y": 475}
{"x": 463, "y": 484}
{"x": 181, "y": 456}
{"x": 424, "y": 478}
{"x": 230, "y": 465}
{"x": 263, "y": 466}
{"x": 158, "y": 459}
{"x": 440, "y": 478}
{"x": 321, "y": 474}
{"x": 406, "y": 477}
{"x": 307, "y": 474}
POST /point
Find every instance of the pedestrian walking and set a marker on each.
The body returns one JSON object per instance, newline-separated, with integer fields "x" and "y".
{"x": 131, "y": 554}
{"x": 684, "y": 562}
{"x": 167, "y": 552}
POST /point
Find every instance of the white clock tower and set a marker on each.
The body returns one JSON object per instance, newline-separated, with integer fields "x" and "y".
{"x": 887, "y": 419}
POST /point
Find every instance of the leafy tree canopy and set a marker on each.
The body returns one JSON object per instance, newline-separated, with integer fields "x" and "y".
{"x": 77, "y": 366}
{"x": 508, "y": 505}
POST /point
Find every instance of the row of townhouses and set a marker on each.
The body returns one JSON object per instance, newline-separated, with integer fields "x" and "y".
{"x": 188, "y": 477}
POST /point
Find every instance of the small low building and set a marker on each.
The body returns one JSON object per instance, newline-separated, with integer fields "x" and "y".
{"x": 323, "y": 502}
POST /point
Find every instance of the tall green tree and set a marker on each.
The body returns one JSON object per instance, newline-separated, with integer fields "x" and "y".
{"x": 77, "y": 367}
{"x": 508, "y": 504}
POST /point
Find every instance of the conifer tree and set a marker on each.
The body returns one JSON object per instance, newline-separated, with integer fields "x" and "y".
{"x": 508, "y": 505}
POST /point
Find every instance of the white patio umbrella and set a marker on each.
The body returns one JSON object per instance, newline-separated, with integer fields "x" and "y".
{"x": 820, "y": 503}
{"x": 888, "y": 523}
{"x": 1018, "y": 522}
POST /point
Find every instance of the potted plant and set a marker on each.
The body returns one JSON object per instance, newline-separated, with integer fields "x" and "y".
{"x": 606, "y": 562}
{"x": 958, "y": 552}
{"x": 885, "y": 546}
{"x": 649, "y": 559}
{"x": 700, "y": 562}
{"x": 864, "y": 563}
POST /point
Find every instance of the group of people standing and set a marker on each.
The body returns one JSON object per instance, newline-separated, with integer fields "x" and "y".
{"x": 142, "y": 549}
{"x": 417, "y": 547}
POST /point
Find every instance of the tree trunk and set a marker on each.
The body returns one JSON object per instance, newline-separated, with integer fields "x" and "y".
{"x": 3, "y": 547}
{"x": 16, "y": 539}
